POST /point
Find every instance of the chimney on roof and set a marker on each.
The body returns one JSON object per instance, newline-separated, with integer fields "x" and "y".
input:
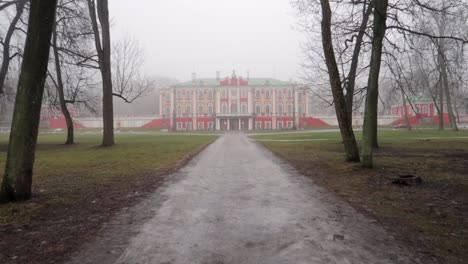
{"x": 194, "y": 76}
{"x": 218, "y": 75}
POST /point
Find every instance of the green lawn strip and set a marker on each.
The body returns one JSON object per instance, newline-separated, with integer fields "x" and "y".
{"x": 383, "y": 134}
{"x": 431, "y": 216}
{"x": 69, "y": 174}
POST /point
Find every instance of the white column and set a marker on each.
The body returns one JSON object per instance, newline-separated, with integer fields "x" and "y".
{"x": 296, "y": 108}
{"x": 217, "y": 126}
{"x": 228, "y": 93}
{"x": 173, "y": 110}
{"x": 163, "y": 93}
{"x": 218, "y": 101}
{"x": 250, "y": 123}
{"x": 250, "y": 107}
{"x": 228, "y": 125}
{"x": 194, "y": 110}
{"x": 239, "y": 124}
{"x": 273, "y": 119}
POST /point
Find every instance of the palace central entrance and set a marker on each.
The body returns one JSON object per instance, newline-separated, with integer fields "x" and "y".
{"x": 234, "y": 124}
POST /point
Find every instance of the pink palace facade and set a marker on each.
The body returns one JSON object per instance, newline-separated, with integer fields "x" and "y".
{"x": 233, "y": 104}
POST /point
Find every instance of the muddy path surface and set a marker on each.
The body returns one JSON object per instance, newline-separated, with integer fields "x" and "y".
{"x": 237, "y": 203}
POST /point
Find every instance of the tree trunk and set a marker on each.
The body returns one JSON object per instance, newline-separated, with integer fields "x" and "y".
{"x": 369, "y": 136}
{"x": 407, "y": 121}
{"x": 6, "y": 45}
{"x": 17, "y": 180}
{"x": 60, "y": 90}
{"x": 443, "y": 67}
{"x": 350, "y": 84}
{"x": 347, "y": 134}
{"x": 441, "y": 102}
{"x": 104, "y": 55}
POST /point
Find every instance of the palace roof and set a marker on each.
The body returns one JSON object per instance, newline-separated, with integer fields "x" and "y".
{"x": 232, "y": 82}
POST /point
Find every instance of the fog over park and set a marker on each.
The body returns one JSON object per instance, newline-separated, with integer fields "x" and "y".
{"x": 184, "y": 36}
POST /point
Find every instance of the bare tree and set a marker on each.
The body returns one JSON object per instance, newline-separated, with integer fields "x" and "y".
{"x": 103, "y": 48}
{"x": 127, "y": 61}
{"x": 72, "y": 56}
{"x": 347, "y": 134}
{"x": 6, "y": 41}
{"x": 369, "y": 136}
{"x": 349, "y": 29}
{"x": 17, "y": 180}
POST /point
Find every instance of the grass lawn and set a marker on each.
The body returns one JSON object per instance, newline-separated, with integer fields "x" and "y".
{"x": 432, "y": 217}
{"x": 77, "y": 188}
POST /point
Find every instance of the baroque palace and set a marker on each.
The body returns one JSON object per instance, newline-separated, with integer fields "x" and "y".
{"x": 233, "y": 104}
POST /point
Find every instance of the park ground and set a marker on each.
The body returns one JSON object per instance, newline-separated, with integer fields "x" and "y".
{"x": 76, "y": 189}
{"x": 432, "y": 217}
{"x": 79, "y": 188}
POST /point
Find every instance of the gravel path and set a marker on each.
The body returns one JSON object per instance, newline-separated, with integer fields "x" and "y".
{"x": 237, "y": 203}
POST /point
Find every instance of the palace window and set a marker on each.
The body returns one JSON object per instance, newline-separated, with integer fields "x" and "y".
{"x": 200, "y": 109}
{"x": 418, "y": 109}
{"x": 201, "y": 126}
{"x": 258, "y": 109}
{"x": 210, "y": 94}
{"x": 179, "y": 125}
{"x": 300, "y": 110}
{"x": 179, "y": 94}
{"x": 224, "y": 108}
{"x": 267, "y": 125}
{"x": 258, "y": 125}
{"x": 257, "y": 94}
{"x": 289, "y": 109}
{"x": 280, "y": 109}
{"x": 244, "y": 108}
{"x": 267, "y": 109}
{"x": 200, "y": 94}
{"x": 289, "y": 93}
{"x": 210, "y": 126}
{"x": 280, "y": 125}
{"x": 179, "y": 110}
{"x": 188, "y": 109}
{"x": 290, "y": 124}
{"x": 267, "y": 93}
{"x": 279, "y": 92}
{"x": 188, "y": 126}
{"x": 210, "y": 109}
{"x": 234, "y": 108}
{"x": 188, "y": 94}
{"x": 234, "y": 92}
{"x": 424, "y": 109}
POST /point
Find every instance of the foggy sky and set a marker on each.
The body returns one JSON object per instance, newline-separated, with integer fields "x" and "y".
{"x": 204, "y": 36}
